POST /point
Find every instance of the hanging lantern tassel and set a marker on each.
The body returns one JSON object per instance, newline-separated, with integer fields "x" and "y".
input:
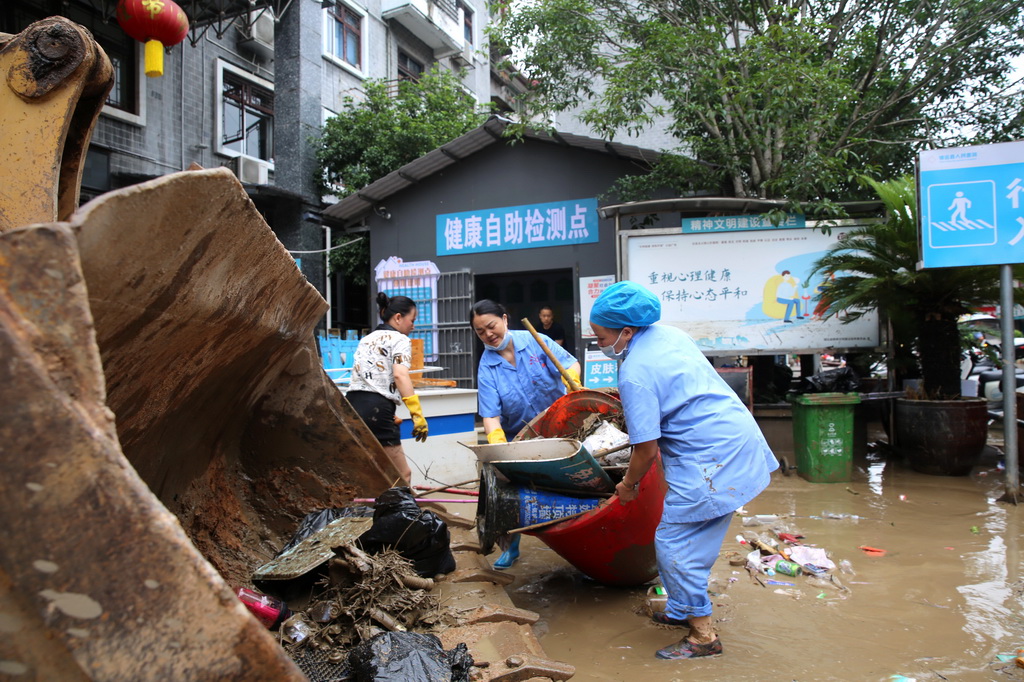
{"x": 154, "y": 58}
{"x": 157, "y": 23}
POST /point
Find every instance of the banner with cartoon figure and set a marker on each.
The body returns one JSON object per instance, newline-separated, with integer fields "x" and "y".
{"x": 745, "y": 291}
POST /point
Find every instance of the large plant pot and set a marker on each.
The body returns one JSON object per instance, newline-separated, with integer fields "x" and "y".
{"x": 941, "y": 437}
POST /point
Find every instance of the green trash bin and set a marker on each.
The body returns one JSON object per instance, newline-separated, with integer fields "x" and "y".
{"x": 823, "y": 436}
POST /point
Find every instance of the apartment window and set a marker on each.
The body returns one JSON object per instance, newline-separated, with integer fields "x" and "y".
{"x": 343, "y": 35}
{"x": 408, "y": 68}
{"x": 467, "y": 23}
{"x": 247, "y": 117}
{"x": 124, "y": 94}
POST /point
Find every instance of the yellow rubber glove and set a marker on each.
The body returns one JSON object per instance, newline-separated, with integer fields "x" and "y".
{"x": 575, "y": 376}
{"x": 419, "y": 423}
{"x": 496, "y": 436}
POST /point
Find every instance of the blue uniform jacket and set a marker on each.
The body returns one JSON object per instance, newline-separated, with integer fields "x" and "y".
{"x": 518, "y": 394}
{"x": 715, "y": 457}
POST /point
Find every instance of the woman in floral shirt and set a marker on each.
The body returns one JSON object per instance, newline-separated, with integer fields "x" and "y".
{"x": 380, "y": 379}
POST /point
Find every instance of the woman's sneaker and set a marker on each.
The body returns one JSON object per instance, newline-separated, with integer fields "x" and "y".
{"x": 687, "y": 649}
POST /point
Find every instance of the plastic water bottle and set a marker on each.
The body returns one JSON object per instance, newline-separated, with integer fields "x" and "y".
{"x": 834, "y": 515}
{"x": 846, "y": 567}
{"x": 759, "y": 520}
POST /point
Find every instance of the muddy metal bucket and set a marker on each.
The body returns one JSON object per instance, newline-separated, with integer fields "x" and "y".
{"x": 614, "y": 544}
{"x": 555, "y": 463}
{"x": 503, "y": 506}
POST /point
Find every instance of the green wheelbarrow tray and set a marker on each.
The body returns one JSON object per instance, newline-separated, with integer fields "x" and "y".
{"x": 551, "y": 463}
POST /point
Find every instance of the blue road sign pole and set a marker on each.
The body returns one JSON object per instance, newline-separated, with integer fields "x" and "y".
{"x": 971, "y": 203}
{"x": 1009, "y": 384}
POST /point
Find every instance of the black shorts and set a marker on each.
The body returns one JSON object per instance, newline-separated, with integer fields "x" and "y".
{"x": 378, "y": 413}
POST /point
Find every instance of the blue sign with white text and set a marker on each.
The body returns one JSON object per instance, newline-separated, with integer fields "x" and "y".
{"x": 600, "y": 371}
{"x": 737, "y": 223}
{"x": 970, "y": 205}
{"x": 531, "y": 226}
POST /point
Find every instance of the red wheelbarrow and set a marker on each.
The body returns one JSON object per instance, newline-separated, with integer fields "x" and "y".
{"x": 613, "y": 544}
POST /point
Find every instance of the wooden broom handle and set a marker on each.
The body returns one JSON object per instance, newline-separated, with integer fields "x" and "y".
{"x": 573, "y": 384}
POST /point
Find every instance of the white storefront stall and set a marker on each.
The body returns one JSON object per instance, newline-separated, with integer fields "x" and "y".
{"x": 451, "y": 415}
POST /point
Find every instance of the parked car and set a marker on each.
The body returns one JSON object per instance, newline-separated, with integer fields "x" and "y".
{"x": 990, "y": 328}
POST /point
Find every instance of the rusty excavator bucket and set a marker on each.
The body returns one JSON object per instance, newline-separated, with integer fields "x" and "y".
{"x": 164, "y": 418}
{"x": 56, "y": 79}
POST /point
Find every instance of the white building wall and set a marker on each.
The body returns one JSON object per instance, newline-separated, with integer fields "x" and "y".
{"x": 382, "y": 39}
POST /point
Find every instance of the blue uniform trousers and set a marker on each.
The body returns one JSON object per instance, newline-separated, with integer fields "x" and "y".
{"x": 685, "y": 553}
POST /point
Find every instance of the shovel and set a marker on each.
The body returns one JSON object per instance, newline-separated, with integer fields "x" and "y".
{"x": 570, "y": 382}
{"x": 565, "y": 416}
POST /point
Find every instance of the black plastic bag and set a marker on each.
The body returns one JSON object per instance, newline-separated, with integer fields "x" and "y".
{"x": 315, "y": 521}
{"x": 418, "y": 534}
{"x": 408, "y": 657}
{"x": 839, "y": 380}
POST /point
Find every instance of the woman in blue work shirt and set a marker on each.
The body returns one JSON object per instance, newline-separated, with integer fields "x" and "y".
{"x": 713, "y": 453}
{"x": 516, "y": 381}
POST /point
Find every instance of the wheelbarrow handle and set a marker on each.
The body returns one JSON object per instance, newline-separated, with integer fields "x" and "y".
{"x": 572, "y": 383}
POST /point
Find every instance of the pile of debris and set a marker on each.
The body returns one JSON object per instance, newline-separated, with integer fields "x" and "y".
{"x": 360, "y": 593}
{"x": 363, "y": 596}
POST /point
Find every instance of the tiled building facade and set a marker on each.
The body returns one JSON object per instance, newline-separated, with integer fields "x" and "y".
{"x": 250, "y": 88}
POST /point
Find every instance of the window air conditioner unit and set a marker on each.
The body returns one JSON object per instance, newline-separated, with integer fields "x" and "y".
{"x": 258, "y": 34}
{"x": 252, "y": 171}
{"x": 464, "y": 58}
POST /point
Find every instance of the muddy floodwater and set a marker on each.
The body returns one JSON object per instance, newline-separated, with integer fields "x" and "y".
{"x": 944, "y": 602}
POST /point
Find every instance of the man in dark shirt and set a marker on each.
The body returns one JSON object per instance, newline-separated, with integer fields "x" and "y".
{"x": 549, "y": 327}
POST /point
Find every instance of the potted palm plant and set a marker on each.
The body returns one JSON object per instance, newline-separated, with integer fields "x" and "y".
{"x": 875, "y": 267}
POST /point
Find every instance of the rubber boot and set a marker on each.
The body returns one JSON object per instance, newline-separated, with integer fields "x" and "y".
{"x": 509, "y": 556}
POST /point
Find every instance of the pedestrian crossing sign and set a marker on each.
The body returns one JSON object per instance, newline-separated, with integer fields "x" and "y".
{"x": 970, "y": 205}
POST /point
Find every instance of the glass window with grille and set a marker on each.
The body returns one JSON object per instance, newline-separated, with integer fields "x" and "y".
{"x": 467, "y": 23}
{"x": 124, "y": 94}
{"x": 248, "y": 118}
{"x": 343, "y": 35}
{"x": 408, "y": 68}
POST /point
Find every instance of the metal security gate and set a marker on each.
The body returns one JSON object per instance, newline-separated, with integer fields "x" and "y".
{"x": 455, "y": 337}
{"x": 443, "y": 322}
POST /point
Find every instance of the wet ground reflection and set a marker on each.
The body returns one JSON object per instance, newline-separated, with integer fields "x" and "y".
{"x": 943, "y": 603}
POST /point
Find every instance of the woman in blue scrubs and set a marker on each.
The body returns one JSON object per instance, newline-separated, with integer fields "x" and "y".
{"x": 516, "y": 381}
{"x": 713, "y": 453}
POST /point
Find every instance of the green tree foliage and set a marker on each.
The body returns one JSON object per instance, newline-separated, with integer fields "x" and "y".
{"x": 391, "y": 125}
{"x": 777, "y": 99}
{"x": 875, "y": 267}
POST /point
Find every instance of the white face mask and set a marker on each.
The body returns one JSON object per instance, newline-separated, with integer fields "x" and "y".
{"x": 610, "y": 351}
{"x": 503, "y": 344}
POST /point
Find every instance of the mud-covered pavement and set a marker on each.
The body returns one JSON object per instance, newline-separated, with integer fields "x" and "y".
{"x": 944, "y": 602}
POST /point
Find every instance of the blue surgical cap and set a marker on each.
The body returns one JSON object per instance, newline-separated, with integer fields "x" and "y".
{"x": 625, "y": 304}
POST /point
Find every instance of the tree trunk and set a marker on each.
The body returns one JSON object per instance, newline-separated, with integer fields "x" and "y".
{"x": 939, "y": 348}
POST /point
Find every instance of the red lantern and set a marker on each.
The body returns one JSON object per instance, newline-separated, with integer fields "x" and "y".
{"x": 156, "y": 23}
